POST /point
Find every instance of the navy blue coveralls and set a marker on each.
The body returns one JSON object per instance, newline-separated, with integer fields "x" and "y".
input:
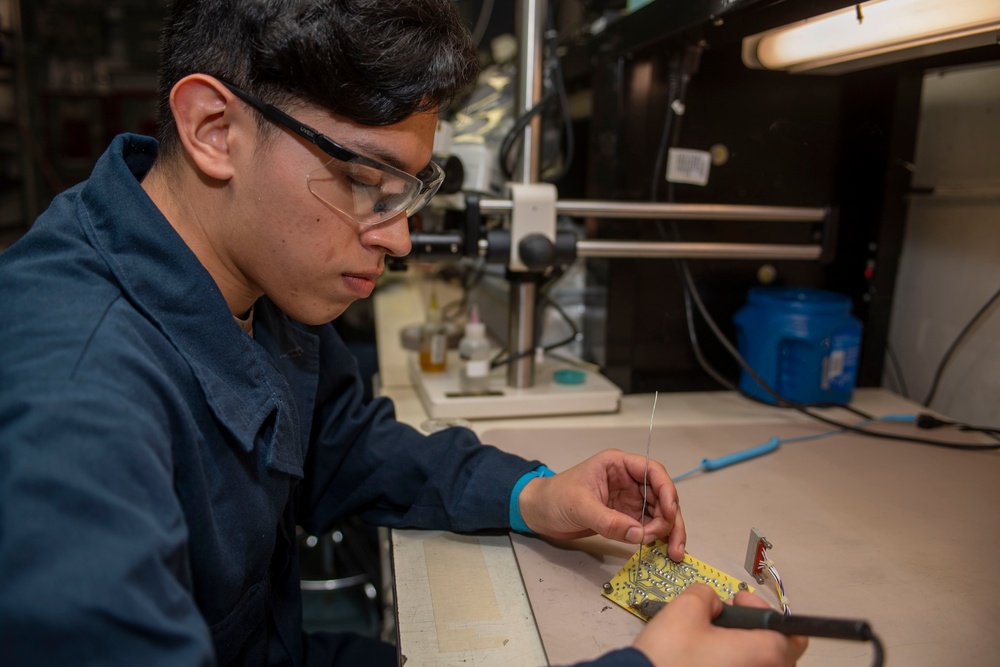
{"x": 155, "y": 460}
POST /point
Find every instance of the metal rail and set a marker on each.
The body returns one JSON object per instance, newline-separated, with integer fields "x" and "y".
{"x": 638, "y": 210}
{"x": 677, "y": 250}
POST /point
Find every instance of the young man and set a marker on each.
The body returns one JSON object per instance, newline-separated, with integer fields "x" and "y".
{"x": 174, "y": 401}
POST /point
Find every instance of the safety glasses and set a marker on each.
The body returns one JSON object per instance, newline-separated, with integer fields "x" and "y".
{"x": 365, "y": 190}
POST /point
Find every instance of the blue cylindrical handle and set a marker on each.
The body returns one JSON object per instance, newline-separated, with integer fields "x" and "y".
{"x": 739, "y": 457}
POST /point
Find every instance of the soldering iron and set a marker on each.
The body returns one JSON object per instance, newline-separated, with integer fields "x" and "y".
{"x": 755, "y": 618}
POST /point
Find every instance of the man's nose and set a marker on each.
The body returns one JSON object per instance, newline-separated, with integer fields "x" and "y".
{"x": 393, "y": 236}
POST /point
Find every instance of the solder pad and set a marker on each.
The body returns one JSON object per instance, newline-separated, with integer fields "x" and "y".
{"x": 657, "y": 577}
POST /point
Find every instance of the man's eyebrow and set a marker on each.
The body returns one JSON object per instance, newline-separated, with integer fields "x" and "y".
{"x": 379, "y": 153}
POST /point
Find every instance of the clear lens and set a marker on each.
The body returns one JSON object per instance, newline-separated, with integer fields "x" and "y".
{"x": 431, "y": 178}
{"x": 371, "y": 193}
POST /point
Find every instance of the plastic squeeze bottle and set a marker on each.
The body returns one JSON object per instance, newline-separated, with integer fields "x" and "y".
{"x": 474, "y": 351}
{"x": 433, "y": 340}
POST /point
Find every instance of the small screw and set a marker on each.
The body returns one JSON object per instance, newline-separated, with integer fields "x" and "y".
{"x": 608, "y": 587}
{"x": 743, "y": 586}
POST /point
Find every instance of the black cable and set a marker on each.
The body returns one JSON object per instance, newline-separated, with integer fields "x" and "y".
{"x": 498, "y": 360}
{"x": 560, "y": 83}
{"x": 680, "y": 76}
{"x": 470, "y": 277}
{"x": 507, "y": 145}
{"x": 696, "y": 346}
{"x": 904, "y": 438}
{"x": 727, "y": 384}
{"x": 878, "y": 652}
{"x": 562, "y": 313}
{"x": 954, "y": 346}
{"x": 927, "y": 421}
{"x": 559, "y": 96}
{"x": 780, "y": 401}
{"x": 783, "y": 402}
{"x": 682, "y": 68}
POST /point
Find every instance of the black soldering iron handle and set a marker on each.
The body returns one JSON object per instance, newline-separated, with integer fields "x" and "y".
{"x": 754, "y": 618}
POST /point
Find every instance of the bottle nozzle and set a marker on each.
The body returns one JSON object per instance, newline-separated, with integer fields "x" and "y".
{"x": 433, "y": 310}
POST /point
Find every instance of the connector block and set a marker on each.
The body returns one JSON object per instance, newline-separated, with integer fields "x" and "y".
{"x": 755, "y": 561}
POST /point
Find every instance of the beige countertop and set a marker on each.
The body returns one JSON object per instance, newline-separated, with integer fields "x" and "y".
{"x": 902, "y": 535}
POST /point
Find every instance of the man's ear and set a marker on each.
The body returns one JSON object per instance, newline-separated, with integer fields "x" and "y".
{"x": 205, "y": 114}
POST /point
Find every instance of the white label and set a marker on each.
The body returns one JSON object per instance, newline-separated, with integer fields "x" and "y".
{"x": 688, "y": 166}
{"x": 836, "y": 366}
{"x": 439, "y": 344}
{"x": 477, "y": 369}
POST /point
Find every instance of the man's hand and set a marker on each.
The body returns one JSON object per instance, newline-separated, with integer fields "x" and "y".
{"x": 683, "y": 634}
{"x": 603, "y": 495}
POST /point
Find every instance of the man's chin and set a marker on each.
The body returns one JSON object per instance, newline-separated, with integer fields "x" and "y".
{"x": 316, "y": 317}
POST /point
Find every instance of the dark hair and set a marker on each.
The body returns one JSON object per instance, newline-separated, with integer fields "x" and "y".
{"x": 375, "y": 62}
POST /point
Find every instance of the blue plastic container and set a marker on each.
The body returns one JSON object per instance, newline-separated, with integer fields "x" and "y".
{"x": 804, "y": 343}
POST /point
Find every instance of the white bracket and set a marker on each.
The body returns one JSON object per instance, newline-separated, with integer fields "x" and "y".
{"x": 533, "y": 212}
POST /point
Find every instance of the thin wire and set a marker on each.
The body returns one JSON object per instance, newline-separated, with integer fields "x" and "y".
{"x": 645, "y": 476}
{"x": 778, "y": 584}
{"x": 954, "y": 346}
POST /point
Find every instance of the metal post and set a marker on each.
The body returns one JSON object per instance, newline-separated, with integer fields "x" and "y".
{"x": 531, "y": 42}
{"x": 521, "y": 339}
{"x": 521, "y": 371}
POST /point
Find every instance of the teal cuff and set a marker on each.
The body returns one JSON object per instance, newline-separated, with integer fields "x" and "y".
{"x": 516, "y": 521}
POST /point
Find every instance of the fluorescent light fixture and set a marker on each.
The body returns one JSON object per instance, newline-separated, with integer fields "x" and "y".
{"x": 875, "y": 33}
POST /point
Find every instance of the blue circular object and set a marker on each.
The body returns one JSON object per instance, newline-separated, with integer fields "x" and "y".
{"x": 569, "y": 376}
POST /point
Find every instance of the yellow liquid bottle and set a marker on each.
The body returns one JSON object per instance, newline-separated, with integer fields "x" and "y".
{"x": 433, "y": 341}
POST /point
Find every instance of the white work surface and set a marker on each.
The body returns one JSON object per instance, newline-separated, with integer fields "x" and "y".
{"x": 903, "y": 535}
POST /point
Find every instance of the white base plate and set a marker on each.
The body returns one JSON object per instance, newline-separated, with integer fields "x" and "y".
{"x": 439, "y": 394}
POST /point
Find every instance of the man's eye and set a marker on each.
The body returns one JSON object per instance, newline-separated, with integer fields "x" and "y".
{"x": 370, "y": 178}
{"x": 361, "y": 183}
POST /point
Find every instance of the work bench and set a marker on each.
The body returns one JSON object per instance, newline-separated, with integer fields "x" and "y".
{"x": 902, "y": 535}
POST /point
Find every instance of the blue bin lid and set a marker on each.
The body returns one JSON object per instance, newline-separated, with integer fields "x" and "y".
{"x": 800, "y": 300}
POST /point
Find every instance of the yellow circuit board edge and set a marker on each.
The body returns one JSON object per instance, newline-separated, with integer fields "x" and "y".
{"x": 657, "y": 578}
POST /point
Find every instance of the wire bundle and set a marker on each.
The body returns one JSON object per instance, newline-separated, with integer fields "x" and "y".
{"x": 768, "y": 565}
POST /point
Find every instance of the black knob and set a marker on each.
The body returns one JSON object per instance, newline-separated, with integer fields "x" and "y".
{"x": 454, "y": 173}
{"x": 537, "y": 252}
